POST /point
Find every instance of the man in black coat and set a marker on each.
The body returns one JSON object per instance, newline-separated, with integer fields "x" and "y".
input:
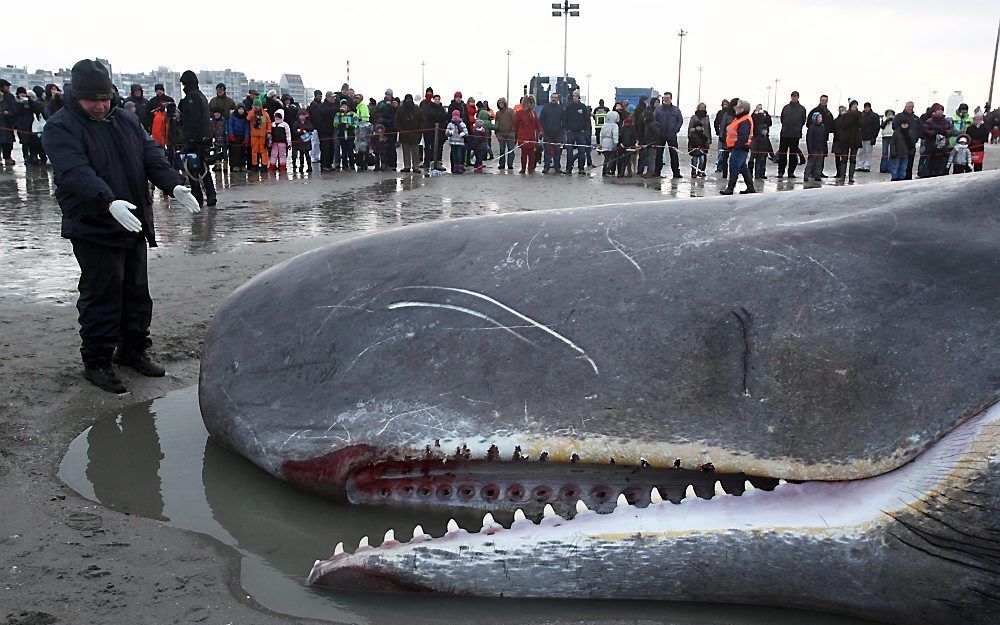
{"x": 828, "y": 120}
{"x": 793, "y": 118}
{"x": 102, "y": 159}
{"x": 915, "y": 129}
{"x": 141, "y": 106}
{"x": 322, "y": 117}
{"x": 158, "y": 101}
{"x": 8, "y": 110}
{"x": 870, "y": 129}
{"x": 197, "y": 139}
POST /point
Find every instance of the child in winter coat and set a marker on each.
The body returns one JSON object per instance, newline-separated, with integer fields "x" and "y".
{"x": 345, "y": 123}
{"x": 380, "y": 147}
{"x": 220, "y": 139}
{"x": 280, "y": 139}
{"x": 302, "y": 132}
{"x": 626, "y": 144}
{"x": 363, "y": 144}
{"x": 697, "y": 148}
{"x": 260, "y": 130}
{"x": 900, "y": 148}
{"x": 960, "y": 159}
{"x": 238, "y": 129}
{"x": 609, "y": 143}
{"x": 457, "y": 131}
{"x": 761, "y": 149}
{"x": 815, "y": 148}
{"x": 477, "y": 140}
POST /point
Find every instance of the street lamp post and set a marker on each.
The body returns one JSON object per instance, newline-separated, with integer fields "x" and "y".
{"x": 588, "y": 88}
{"x": 775, "y": 94}
{"x": 508, "y": 77}
{"x": 996, "y": 47}
{"x": 422, "y": 86}
{"x": 700, "y": 69}
{"x": 680, "y": 55}
{"x": 565, "y": 10}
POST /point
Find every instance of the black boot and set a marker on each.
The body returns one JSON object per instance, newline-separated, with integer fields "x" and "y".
{"x": 140, "y": 361}
{"x": 729, "y": 186}
{"x": 850, "y": 172}
{"x": 104, "y": 378}
{"x": 748, "y": 181}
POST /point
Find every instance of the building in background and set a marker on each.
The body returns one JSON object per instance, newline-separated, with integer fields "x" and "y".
{"x": 292, "y": 85}
{"x": 236, "y": 82}
{"x": 954, "y": 100}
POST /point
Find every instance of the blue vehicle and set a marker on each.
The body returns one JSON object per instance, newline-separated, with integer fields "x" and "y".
{"x": 542, "y": 87}
{"x": 632, "y": 95}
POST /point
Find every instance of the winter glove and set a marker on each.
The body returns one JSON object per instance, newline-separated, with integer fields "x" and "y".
{"x": 183, "y": 196}
{"x": 122, "y": 212}
{"x": 232, "y": 138}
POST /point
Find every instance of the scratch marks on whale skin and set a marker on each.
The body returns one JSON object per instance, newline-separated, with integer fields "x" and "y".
{"x": 743, "y": 317}
{"x": 467, "y": 311}
{"x": 527, "y": 251}
{"x": 817, "y": 263}
{"x": 365, "y": 350}
{"x": 620, "y": 250}
{"x": 535, "y": 324}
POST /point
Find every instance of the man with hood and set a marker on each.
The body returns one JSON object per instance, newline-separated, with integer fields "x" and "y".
{"x": 8, "y": 109}
{"x": 103, "y": 161}
{"x": 221, "y": 102}
{"x": 410, "y": 123}
{"x": 141, "y": 106}
{"x": 434, "y": 114}
{"x": 505, "y": 133}
{"x": 197, "y": 136}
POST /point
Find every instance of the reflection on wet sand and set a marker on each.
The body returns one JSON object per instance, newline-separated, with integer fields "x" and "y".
{"x": 155, "y": 460}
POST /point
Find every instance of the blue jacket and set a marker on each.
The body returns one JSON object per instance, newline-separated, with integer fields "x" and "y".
{"x": 238, "y": 127}
{"x": 552, "y": 119}
{"x": 670, "y": 120}
{"x": 97, "y": 162}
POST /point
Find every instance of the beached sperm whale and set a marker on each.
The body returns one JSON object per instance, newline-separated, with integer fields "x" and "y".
{"x": 787, "y": 399}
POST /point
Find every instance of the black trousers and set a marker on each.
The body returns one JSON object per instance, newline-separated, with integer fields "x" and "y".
{"x": 326, "y": 154}
{"x": 115, "y": 307}
{"x": 789, "y": 155}
{"x": 675, "y": 164}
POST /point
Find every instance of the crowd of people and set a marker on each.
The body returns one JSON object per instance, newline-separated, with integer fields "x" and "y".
{"x": 344, "y": 131}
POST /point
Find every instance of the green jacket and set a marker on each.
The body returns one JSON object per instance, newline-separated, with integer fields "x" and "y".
{"x": 363, "y": 112}
{"x": 961, "y": 124}
{"x": 488, "y": 124}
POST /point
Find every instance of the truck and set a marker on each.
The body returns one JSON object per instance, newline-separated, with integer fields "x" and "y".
{"x": 542, "y": 87}
{"x": 632, "y": 95}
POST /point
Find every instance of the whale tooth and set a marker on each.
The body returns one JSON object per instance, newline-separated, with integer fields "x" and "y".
{"x": 339, "y": 549}
{"x": 782, "y": 482}
{"x": 581, "y": 507}
{"x": 363, "y": 542}
{"x": 655, "y": 496}
{"x": 747, "y": 487}
{"x": 519, "y": 515}
{"x": 689, "y": 492}
{"x": 622, "y": 501}
{"x": 418, "y": 531}
{"x": 548, "y": 512}
{"x": 452, "y": 525}
{"x": 719, "y": 490}
{"x": 488, "y": 519}
{"x": 390, "y": 536}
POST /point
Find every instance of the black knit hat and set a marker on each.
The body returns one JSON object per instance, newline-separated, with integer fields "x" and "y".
{"x": 90, "y": 81}
{"x": 158, "y": 87}
{"x": 4, "y": 83}
{"x": 189, "y": 78}
{"x": 21, "y": 90}
{"x": 221, "y": 85}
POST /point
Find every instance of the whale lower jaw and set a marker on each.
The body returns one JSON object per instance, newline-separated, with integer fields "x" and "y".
{"x": 817, "y": 510}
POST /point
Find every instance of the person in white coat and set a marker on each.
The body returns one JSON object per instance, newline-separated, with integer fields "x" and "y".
{"x": 609, "y": 143}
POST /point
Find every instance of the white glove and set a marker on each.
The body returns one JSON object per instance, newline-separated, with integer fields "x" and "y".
{"x": 183, "y": 197}
{"x": 122, "y": 212}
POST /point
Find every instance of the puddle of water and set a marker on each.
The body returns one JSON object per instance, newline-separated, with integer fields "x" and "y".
{"x": 156, "y": 460}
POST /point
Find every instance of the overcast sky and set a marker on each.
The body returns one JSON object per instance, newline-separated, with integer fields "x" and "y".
{"x": 885, "y": 52}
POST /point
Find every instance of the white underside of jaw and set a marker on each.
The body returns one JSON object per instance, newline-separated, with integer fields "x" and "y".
{"x": 838, "y": 508}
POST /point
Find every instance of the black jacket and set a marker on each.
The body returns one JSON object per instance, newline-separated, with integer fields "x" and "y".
{"x": 793, "y": 118}
{"x": 322, "y": 118}
{"x": 870, "y": 126}
{"x": 194, "y": 117}
{"x": 576, "y": 117}
{"x": 97, "y": 162}
{"x": 8, "y": 109}
{"x": 141, "y": 110}
{"x": 827, "y": 118}
{"x": 156, "y": 103}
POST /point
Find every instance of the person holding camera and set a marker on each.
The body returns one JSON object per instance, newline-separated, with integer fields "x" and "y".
{"x": 197, "y": 140}
{"x": 102, "y": 159}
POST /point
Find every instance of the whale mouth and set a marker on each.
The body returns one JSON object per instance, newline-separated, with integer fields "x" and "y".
{"x": 836, "y": 508}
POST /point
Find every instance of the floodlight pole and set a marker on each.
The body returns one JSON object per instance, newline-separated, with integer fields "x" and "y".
{"x": 680, "y": 55}
{"x": 565, "y": 10}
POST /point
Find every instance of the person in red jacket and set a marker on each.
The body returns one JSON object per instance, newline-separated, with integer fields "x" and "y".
{"x": 527, "y": 130}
